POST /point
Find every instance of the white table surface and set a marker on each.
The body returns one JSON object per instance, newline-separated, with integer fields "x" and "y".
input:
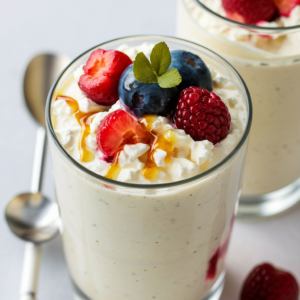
{"x": 63, "y": 26}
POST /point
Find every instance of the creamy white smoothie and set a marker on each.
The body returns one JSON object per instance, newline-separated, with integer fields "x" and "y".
{"x": 270, "y": 66}
{"x": 137, "y": 238}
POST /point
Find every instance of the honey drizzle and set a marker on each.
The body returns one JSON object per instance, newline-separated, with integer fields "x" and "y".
{"x": 84, "y": 120}
{"x": 150, "y": 171}
{"x": 164, "y": 142}
{"x": 114, "y": 169}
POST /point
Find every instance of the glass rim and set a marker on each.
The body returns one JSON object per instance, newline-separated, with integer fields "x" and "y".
{"x": 249, "y": 26}
{"x": 148, "y": 186}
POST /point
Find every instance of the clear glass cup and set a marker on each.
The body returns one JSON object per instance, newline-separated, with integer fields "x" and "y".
{"x": 160, "y": 241}
{"x": 272, "y": 171}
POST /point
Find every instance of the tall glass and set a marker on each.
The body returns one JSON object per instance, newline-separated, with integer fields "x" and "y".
{"x": 160, "y": 241}
{"x": 271, "y": 180}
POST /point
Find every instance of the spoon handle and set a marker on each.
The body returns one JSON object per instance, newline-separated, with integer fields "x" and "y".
{"x": 30, "y": 273}
{"x": 38, "y": 164}
{"x": 32, "y": 257}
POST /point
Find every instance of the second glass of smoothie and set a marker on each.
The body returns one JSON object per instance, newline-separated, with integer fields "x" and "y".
{"x": 268, "y": 59}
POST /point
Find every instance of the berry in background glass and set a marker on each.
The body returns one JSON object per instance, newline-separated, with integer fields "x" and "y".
{"x": 250, "y": 11}
{"x": 285, "y": 7}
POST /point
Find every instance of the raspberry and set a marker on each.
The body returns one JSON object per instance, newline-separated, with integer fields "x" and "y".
{"x": 267, "y": 283}
{"x": 202, "y": 115}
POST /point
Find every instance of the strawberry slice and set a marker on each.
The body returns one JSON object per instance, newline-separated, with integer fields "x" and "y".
{"x": 117, "y": 130}
{"x": 250, "y": 11}
{"x": 267, "y": 283}
{"x": 102, "y": 74}
{"x": 286, "y": 6}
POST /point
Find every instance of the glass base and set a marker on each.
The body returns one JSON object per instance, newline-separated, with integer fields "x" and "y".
{"x": 269, "y": 204}
{"x": 214, "y": 294}
{"x": 217, "y": 289}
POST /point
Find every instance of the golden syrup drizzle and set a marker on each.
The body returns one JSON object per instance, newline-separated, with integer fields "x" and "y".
{"x": 114, "y": 169}
{"x": 150, "y": 170}
{"x": 164, "y": 142}
{"x": 84, "y": 120}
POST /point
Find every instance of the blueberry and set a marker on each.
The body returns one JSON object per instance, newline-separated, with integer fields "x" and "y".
{"x": 192, "y": 69}
{"x": 144, "y": 98}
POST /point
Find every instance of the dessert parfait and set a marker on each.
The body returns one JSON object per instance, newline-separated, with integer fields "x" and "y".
{"x": 261, "y": 40}
{"x": 148, "y": 141}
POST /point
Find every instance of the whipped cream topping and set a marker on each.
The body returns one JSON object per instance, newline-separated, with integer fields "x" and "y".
{"x": 279, "y": 44}
{"x": 188, "y": 157}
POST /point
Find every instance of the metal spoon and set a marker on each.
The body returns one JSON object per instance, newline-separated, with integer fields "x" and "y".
{"x": 31, "y": 216}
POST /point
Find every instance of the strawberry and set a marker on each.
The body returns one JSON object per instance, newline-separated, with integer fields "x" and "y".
{"x": 286, "y": 6}
{"x": 102, "y": 74}
{"x": 267, "y": 283}
{"x": 249, "y": 11}
{"x": 117, "y": 130}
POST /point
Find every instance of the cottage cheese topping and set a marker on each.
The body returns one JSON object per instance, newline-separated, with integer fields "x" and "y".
{"x": 279, "y": 44}
{"x": 188, "y": 158}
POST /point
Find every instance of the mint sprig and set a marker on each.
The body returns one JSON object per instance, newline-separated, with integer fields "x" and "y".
{"x": 160, "y": 58}
{"x": 157, "y": 69}
{"x": 143, "y": 68}
{"x": 169, "y": 79}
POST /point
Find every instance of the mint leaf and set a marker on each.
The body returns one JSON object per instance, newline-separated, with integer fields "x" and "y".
{"x": 160, "y": 58}
{"x": 169, "y": 79}
{"x": 142, "y": 69}
{"x": 156, "y": 71}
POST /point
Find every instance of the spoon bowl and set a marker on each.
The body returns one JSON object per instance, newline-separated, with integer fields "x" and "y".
{"x": 39, "y": 77}
{"x": 32, "y": 217}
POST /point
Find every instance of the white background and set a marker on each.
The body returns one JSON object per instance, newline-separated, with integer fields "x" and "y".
{"x": 70, "y": 27}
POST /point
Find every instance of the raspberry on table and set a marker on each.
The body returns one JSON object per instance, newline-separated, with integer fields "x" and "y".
{"x": 265, "y": 282}
{"x": 202, "y": 115}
